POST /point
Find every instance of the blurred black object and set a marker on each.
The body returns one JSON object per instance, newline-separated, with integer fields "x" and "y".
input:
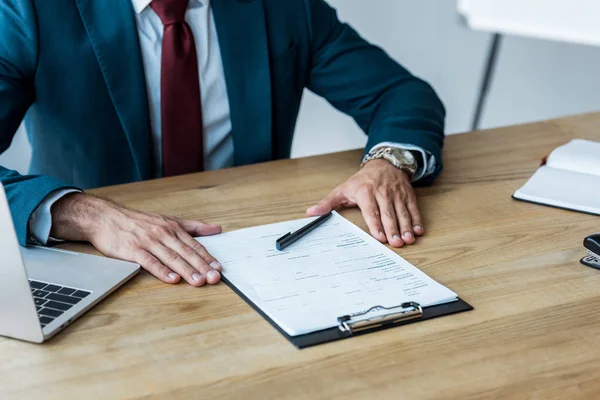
{"x": 592, "y": 244}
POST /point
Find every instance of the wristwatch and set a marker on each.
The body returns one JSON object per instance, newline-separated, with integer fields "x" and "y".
{"x": 399, "y": 158}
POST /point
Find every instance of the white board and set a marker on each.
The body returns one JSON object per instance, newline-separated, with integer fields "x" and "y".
{"x": 575, "y": 21}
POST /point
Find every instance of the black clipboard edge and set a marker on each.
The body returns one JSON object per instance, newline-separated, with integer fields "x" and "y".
{"x": 334, "y": 334}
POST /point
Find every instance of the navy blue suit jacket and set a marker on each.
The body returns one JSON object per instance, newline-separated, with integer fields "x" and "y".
{"x": 73, "y": 70}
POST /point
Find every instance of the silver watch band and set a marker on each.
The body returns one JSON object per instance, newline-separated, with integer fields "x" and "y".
{"x": 399, "y": 158}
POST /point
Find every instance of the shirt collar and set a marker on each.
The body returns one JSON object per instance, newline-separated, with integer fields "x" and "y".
{"x": 140, "y": 5}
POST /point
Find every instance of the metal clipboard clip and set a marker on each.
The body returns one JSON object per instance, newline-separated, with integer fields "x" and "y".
{"x": 361, "y": 321}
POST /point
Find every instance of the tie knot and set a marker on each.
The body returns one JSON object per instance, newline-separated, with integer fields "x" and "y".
{"x": 170, "y": 11}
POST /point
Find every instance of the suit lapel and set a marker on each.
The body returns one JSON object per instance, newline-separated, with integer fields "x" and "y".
{"x": 242, "y": 32}
{"x": 112, "y": 30}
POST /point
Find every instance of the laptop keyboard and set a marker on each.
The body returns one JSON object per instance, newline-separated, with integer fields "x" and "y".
{"x": 51, "y": 301}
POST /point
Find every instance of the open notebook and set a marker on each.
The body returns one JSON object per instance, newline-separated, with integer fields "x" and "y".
{"x": 336, "y": 270}
{"x": 570, "y": 179}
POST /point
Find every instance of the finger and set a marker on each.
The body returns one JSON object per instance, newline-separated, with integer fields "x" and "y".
{"x": 197, "y": 228}
{"x": 417, "y": 220}
{"x": 329, "y": 203}
{"x": 173, "y": 260}
{"x": 204, "y": 255}
{"x": 370, "y": 211}
{"x": 406, "y": 227}
{"x": 203, "y": 271}
{"x": 193, "y": 252}
{"x": 155, "y": 267}
{"x": 389, "y": 220}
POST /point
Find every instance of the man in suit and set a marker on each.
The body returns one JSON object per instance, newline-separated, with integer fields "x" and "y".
{"x": 116, "y": 91}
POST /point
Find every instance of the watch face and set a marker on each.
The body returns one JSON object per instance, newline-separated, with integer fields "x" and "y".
{"x": 403, "y": 156}
{"x": 400, "y": 158}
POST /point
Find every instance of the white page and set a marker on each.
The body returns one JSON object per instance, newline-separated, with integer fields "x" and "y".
{"x": 565, "y": 189}
{"x": 335, "y": 270}
{"x": 578, "y": 155}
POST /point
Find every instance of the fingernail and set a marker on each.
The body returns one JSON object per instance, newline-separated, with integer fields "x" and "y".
{"x": 418, "y": 228}
{"x": 173, "y": 275}
{"x": 381, "y": 234}
{"x": 216, "y": 265}
{"x": 408, "y": 235}
{"x": 213, "y": 275}
{"x": 196, "y": 277}
{"x": 396, "y": 237}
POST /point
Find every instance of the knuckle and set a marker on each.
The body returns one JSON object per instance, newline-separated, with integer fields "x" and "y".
{"x": 159, "y": 231}
{"x": 173, "y": 225}
{"x": 162, "y": 270}
{"x": 402, "y": 196}
{"x": 201, "y": 250}
{"x": 148, "y": 240}
{"x": 188, "y": 252}
{"x": 148, "y": 260}
{"x": 171, "y": 256}
{"x": 385, "y": 191}
{"x": 373, "y": 213}
{"x": 404, "y": 214}
{"x": 197, "y": 247}
{"x": 389, "y": 213}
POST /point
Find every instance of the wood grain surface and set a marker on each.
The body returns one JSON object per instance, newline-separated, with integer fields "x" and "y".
{"x": 534, "y": 334}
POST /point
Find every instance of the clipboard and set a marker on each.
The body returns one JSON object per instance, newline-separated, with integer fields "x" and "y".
{"x": 360, "y": 323}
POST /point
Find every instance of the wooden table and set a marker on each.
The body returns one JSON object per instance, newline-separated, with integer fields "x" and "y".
{"x": 534, "y": 334}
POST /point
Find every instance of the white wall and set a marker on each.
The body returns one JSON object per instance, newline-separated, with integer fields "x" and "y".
{"x": 535, "y": 79}
{"x": 423, "y": 35}
{"x": 539, "y": 79}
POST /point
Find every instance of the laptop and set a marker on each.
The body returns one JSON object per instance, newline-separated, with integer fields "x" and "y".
{"x": 42, "y": 290}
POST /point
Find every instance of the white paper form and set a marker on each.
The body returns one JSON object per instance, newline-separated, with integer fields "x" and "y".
{"x": 335, "y": 270}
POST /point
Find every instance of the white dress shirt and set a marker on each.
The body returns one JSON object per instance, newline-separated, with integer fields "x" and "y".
{"x": 218, "y": 140}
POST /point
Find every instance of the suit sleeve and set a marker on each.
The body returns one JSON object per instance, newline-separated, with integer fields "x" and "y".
{"x": 386, "y": 100}
{"x": 18, "y": 59}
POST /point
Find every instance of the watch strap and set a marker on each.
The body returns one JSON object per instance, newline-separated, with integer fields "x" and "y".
{"x": 400, "y": 158}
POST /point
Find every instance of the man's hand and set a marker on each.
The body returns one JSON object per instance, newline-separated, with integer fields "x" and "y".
{"x": 163, "y": 246}
{"x": 387, "y": 201}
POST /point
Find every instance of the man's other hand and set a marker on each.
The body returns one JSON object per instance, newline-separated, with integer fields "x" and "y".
{"x": 164, "y": 246}
{"x": 387, "y": 201}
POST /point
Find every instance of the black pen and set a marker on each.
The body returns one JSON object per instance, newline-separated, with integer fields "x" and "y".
{"x": 290, "y": 237}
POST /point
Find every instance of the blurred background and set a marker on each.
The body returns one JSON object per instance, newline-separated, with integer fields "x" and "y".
{"x": 534, "y": 79}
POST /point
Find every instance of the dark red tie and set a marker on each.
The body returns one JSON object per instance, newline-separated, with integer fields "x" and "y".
{"x": 181, "y": 109}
